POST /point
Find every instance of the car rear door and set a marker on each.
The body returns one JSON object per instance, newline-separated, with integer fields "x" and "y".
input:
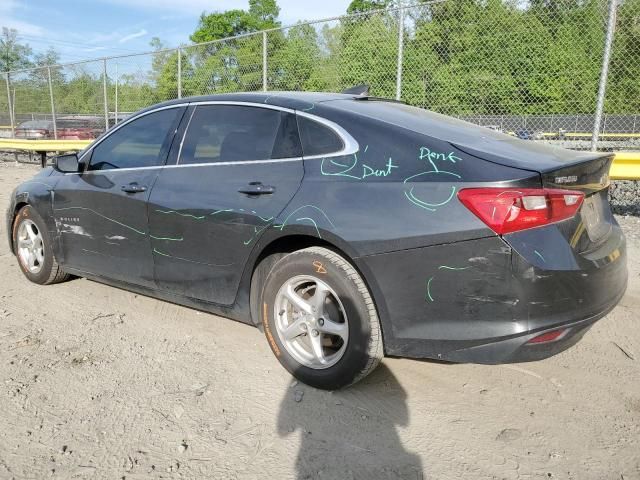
{"x": 101, "y": 213}
{"x": 237, "y": 167}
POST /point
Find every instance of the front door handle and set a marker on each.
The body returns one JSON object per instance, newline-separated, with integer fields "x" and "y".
{"x": 257, "y": 188}
{"x": 133, "y": 188}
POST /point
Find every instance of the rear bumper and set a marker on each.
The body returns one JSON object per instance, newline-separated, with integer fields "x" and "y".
{"x": 515, "y": 349}
{"x": 480, "y": 301}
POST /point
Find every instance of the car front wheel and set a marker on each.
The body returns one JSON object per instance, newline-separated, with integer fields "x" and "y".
{"x": 320, "y": 319}
{"x": 32, "y": 246}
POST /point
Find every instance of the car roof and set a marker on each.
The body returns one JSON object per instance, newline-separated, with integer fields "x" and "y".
{"x": 293, "y": 100}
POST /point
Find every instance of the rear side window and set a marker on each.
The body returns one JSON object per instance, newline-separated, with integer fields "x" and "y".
{"x": 318, "y": 139}
{"x": 233, "y": 133}
{"x": 137, "y": 144}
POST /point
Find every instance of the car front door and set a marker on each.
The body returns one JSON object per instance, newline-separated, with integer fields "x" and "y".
{"x": 237, "y": 168}
{"x": 101, "y": 213}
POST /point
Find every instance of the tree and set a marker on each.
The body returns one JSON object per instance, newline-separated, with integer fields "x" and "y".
{"x": 361, "y": 6}
{"x": 235, "y": 64}
{"x": 13, "y": 55}
{"x": 262, "y": 15}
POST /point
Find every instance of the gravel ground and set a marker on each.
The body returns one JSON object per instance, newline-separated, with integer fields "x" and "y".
{"x": 98, "y": 382}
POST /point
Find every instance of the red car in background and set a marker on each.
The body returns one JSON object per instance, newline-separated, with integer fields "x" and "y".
{"x": 79, "y": 127}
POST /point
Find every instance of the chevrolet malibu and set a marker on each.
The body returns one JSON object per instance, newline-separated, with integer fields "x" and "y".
{"x": 344, "y": 226}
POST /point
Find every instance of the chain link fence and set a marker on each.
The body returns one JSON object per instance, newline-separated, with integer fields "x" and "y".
{"x": 529, "y": 68}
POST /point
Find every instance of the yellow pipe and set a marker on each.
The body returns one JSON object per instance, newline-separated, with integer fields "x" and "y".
{"x": 42, "y": 145}
{"x": 626, "y": 166}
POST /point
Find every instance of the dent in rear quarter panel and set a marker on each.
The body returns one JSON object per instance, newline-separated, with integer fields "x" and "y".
{"x": 446, "y": 297}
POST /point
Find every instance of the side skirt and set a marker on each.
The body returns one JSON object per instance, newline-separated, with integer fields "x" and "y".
{"x": 233, "y": 312}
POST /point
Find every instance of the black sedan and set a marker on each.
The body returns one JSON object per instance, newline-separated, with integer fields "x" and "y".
{"x": 346, "y": 227}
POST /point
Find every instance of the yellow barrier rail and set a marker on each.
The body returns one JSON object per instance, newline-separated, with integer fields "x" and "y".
{"x": 42, "y": 145}
{"x": 626, "y": 165}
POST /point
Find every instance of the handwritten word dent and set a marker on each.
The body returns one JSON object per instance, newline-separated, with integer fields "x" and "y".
{"x": 368, "y": 171}
{"x": 347, "y": 170}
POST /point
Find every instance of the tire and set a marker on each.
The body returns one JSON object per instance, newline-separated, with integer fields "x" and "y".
{"x": 45, "y": 269}
{"x": 330, "y": 303}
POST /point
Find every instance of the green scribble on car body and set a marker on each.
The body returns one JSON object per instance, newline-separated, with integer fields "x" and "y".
{"x": 366, "y": 148}
{"x": 284, "y": 223}
{"x": 425, "y": 152}
{"x": 539, "y": 255}
{"x": 168, "y": 212}
{"x": 168, "y": 239}
{"x": 431, "y": 171}
{"x": 427, "y": 205}
{"x": 308, "y": 109}
{"x": 367, "y": 171}
{"x": 442, "y": 267}
{"x": 429, "y": 297}
{"x": 265, "y": 219}
{"x": 417, "y": 204}
{"x": 256, "y": 232}
{"x": 221, "y": 211}
{"x": 139, "y": 232}
{"x": 312, "y": 221}
{"x": 343, "y": 173}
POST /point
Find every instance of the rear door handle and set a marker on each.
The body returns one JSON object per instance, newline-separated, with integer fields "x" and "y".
{"x": 133, "y": 188}
{"x": 257, "y": 188}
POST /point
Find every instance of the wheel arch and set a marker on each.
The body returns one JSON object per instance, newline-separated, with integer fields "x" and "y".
{"x": 278, "y": 247}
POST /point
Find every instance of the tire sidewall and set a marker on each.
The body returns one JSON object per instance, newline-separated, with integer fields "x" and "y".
{"x": 29, "y": 213}
{"x": 355, "y": 357}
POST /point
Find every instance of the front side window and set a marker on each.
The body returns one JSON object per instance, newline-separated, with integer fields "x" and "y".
{"x": 137, "y": 144}
{"x": 232, "y": 133}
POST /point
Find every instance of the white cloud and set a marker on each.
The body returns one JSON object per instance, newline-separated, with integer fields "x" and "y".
{"x": 290, "y": 10}
{"x": 131, "y": 36}
{"x": 93, "y": 49}
{"x": 7, "y": 9}
{"x": 183, "y": 6}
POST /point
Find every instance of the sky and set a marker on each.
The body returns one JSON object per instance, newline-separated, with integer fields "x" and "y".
{"x": 97, "y": 28}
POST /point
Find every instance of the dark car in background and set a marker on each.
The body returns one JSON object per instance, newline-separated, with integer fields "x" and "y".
{"x": 346, "y": 227}
{"x": 35, "y": 130}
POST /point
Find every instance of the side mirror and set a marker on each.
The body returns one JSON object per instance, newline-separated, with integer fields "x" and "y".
{"x": 67, "y": 163}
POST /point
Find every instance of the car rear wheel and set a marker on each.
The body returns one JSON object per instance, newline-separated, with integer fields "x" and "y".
{"x": 320, "y": 320}
{"x": 32, "y": 246}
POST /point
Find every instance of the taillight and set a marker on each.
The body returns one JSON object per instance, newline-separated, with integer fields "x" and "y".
{"x": 507, "y": 210}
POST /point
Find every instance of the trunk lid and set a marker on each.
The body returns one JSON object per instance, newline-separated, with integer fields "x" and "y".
{"x": 558, "y": 168}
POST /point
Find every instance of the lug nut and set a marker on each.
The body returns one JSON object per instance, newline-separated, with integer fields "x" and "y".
{"x": 315, "y": 333}
{"x": 304, "y": 326}
{"x": 321, "y": 321}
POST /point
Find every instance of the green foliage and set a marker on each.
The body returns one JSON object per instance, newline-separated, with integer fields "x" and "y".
{"x": 262, "y": 15}
{"x": 13, "y": 55}
{"x": 360, "y": 6}
{"x": 461, "y": 57}
{"x": 623, "y": 91}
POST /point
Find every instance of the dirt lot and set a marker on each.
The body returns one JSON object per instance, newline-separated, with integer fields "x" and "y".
{"x": 101, "y": 383}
